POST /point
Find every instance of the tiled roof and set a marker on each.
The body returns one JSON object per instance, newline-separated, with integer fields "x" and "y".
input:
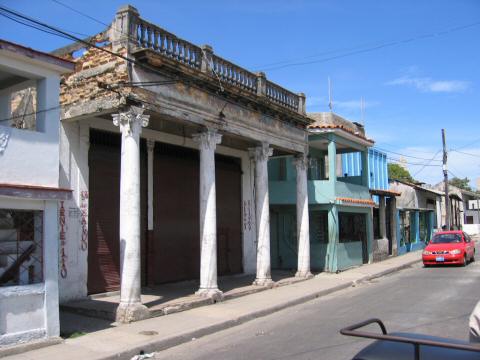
{"x": 341, "y": 127}
{"x": 333, "y": 121}
{"x": 368, "y": 202}
{"x": 385, "y": 192}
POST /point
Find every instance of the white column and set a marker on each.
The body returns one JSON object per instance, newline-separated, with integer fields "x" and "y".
{"x": 303, "y": 231}
{"x": 130, "y": 307}
{"x": 207, "y": 142}
{"x": 260, "y": 154}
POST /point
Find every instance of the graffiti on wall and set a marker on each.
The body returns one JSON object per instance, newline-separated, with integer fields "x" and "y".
{"x": 247, "y": 215}
{"x": 63, "y": 242}
{"x": 84, "y": 220}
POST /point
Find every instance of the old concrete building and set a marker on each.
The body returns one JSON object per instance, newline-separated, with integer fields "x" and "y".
{"x": 165, "y": 145}
{"x": 32, "y": 205}
{"x": 418, "y": 214}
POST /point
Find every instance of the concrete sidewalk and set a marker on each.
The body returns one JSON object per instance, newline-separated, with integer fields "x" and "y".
{"x": 123, "y": 342}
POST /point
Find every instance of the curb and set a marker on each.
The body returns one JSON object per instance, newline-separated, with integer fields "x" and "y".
{"x": 166, "y": 343}
{"x": 389, "y": 271}
{"x": 30, "y": 346}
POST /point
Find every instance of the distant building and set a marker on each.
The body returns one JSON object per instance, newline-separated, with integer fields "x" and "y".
{"x": 419, "y": 212}
{"x": 464, "y": 212}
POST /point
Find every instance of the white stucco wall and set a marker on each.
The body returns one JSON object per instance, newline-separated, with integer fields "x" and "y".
{"x": 74, "y": 144}
{"x": 31, "y": 157}
{"x": 29, "y": 312}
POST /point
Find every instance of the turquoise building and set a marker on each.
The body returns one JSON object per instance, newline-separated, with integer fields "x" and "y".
{"x": 385, "y": 213}
{"x": 340, "y": 205}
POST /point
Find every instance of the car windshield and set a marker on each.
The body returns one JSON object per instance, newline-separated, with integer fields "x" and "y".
{"x": 446, "y": 238}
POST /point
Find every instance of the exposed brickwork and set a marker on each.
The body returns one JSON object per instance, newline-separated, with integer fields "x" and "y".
{"x": 92, "y": 67}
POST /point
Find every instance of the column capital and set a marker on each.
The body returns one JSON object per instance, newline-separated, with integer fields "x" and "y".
{"x": 208, "y": 139}
{"x": 261, "y": 153}
{"x": 131, "y": 121}
{"x": 150, "y": 145}
{"x": 301, "y": 162}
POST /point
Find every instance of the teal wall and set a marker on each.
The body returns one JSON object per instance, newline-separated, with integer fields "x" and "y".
{"x": 319, "y": 192}
{"x": 282, "y": 179}
{"x": 329, "y": 255}
{"x": 349, "y": 255}
{"x": 283, "y": 234}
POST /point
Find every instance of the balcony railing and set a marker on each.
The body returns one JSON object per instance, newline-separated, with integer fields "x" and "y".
{"x": 149, "y": 36}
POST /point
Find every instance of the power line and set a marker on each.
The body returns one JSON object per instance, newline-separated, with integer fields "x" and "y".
{"x": 464, "y": 146}
{"x": 376, "y": 47}
{"x": 465, "y": 153}
{"x": 71, "y": 31}
{"x": 410, "y": 150}
{"x": 80, "y": 13}
{"x": 409, "y": 156}
{"x": 41, "y": 26}
{"x": 33, "y": 23}
{"x": 413, "y": 164}
{"x": 419, "y": 171}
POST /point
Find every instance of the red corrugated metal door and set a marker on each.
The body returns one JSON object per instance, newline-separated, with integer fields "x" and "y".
{"x": 104, "y": 208}
{"x": 176, "y": 242}
{"x": 175, "y": 252}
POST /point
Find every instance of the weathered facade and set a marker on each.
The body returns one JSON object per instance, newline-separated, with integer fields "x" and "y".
{"x": 31, "y": 201}
{"x": 340, "y": 206}
{"x": 176, "y": 186}
{"x": 418, "y": 214}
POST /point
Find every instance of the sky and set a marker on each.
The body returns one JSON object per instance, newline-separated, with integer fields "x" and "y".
{"x": 414, "y": 62}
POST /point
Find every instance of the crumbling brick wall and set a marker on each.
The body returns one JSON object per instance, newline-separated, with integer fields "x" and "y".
{"x": 82, "y": 86}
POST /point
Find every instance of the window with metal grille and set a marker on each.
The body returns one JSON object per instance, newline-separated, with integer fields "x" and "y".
{"x": 352, "y": 227}
{"x": 21, "y": 247}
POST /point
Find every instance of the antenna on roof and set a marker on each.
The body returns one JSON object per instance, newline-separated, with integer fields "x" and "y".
{"x": 330, "y": 101}
{"x": 362, "y": 111}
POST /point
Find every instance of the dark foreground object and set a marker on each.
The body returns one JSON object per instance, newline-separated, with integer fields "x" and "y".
{"x": 406, "y": 346}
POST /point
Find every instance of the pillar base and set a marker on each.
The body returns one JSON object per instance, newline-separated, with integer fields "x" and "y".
{"x": 304, "y": 274}
{"x": 267, "y": 282}
{"x": 214, "y": 293}
{"x": 130, "y": 312}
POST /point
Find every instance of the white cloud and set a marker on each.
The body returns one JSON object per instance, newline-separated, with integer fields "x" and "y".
{"x": 426, "y": 84}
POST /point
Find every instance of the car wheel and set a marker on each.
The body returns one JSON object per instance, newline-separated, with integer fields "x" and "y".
{"x": 472, "y": 259}
{"x": 465, "y": 262}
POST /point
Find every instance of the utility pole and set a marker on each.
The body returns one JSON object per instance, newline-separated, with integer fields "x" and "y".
{"x": 445, "y": 180}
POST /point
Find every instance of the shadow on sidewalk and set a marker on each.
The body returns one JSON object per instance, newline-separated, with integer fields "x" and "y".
{"x": 98, "y": 312}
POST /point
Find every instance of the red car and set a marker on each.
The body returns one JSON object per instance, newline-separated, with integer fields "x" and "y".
{"x": 449, "y": 247}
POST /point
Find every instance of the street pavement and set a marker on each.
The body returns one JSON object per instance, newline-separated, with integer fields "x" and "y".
{"x": 436, "y": 301}
{"x": 155, "y": 334}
